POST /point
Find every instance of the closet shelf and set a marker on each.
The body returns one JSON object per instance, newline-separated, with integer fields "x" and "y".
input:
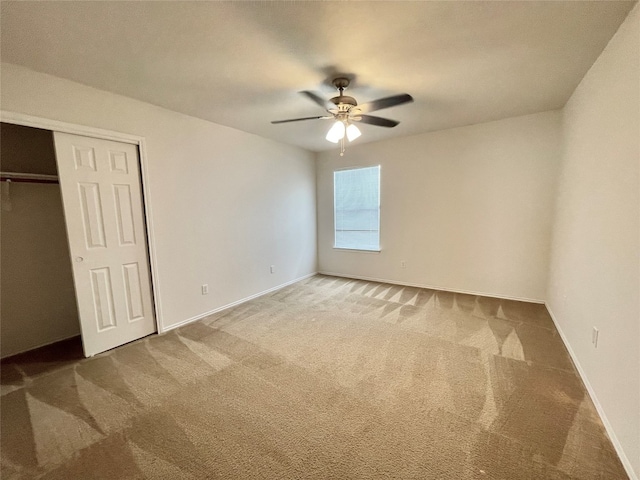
{"x": 28, "y": 177}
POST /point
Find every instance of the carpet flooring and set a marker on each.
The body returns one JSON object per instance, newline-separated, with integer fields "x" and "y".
{"x": 328, "y": 378}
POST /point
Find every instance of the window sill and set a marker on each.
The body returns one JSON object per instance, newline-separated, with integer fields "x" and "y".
{"x": 361, "y": 250}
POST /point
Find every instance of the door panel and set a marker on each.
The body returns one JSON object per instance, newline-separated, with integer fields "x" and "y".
{"x": 124, "y": 214}
{"x": 92, "y": 215}
{"x": 100, "y": 183}
{"x": 133, "y": 291}
{"x": 102, "y": 298}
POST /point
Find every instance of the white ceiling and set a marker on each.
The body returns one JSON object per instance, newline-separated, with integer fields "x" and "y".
{"x": 241, "y": 64}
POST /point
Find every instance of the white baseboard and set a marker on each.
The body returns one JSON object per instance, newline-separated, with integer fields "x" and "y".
{"x": 233, "y": 304}
{"x": 40, "y": 345}
{"x": 434, "y": 287}
{"x": 605, "y": 421}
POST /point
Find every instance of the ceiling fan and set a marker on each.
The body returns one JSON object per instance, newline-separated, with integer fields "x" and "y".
{"x": 345, "y": 110}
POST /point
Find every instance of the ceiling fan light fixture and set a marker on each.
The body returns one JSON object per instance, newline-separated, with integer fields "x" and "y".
{"x": 353, "y": 132}
{"x": 336, "y": 132}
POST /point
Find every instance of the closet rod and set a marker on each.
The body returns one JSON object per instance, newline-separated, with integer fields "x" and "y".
{"x": 28, "y": 177}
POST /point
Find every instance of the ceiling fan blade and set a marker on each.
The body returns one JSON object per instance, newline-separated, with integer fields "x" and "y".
{"x": 384, "y": 103}
{"x": 298, "y": 119}
{"x": 326, "y": 104}
{"x": 377, "y": 121}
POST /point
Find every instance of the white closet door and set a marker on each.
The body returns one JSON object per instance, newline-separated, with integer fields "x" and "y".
{"x": 101, "y": 192}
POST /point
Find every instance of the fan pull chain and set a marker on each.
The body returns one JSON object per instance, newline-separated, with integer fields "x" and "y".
{"x": 342, "y": 147}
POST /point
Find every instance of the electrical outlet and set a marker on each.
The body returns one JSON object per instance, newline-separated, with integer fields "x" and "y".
{"x": 403, "y": 264}
{"x": 594, "y": 337}
{"x": 205, "y": 289}
{"x": 272, "y": 269}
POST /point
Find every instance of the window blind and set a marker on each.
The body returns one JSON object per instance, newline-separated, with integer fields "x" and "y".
{"x": 357, "y": 208}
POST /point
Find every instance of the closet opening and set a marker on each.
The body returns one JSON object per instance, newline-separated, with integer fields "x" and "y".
{"x": 38, "y": 309}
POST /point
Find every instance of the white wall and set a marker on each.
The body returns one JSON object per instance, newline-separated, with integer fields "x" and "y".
{"x": 225, "y": 204}
{"x": 594, "y": 275}
{"x": 467, "y": 209}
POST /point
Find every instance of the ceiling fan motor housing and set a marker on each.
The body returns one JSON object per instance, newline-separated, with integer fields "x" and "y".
{"x": 344, "y": 100}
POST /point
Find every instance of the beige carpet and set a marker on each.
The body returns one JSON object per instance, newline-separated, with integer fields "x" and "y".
{"x": 326, "y": 379}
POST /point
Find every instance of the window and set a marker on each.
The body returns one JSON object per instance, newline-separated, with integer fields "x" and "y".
{"x": 356, "y": 207}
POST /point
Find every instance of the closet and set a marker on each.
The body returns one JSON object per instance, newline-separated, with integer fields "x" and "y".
{"x": 37, "y": 301}
{"x": 75, "y": 258}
